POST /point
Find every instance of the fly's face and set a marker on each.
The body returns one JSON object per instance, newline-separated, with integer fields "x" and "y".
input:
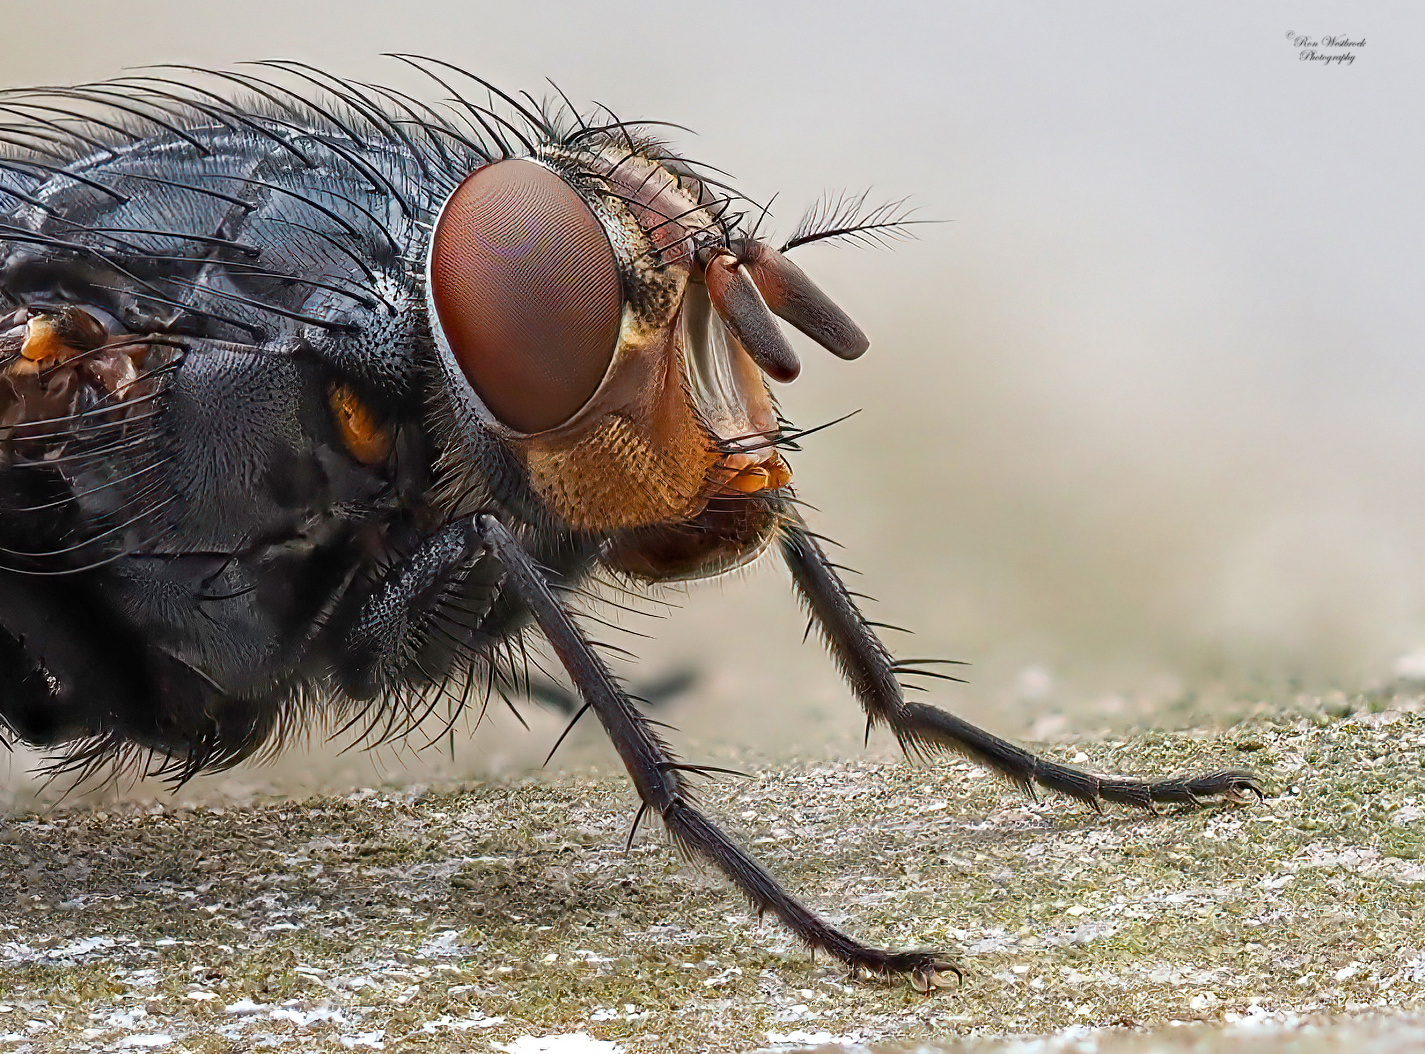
{"x": 594, "y": 309}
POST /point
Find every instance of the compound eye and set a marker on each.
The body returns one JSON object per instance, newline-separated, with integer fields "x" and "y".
{"x": 525, "y": 287}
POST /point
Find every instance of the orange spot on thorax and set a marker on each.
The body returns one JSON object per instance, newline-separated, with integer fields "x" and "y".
{"x": 366, "y": 437}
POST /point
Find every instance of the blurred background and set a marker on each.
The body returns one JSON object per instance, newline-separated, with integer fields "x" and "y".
{"x": 1141, "y": 434}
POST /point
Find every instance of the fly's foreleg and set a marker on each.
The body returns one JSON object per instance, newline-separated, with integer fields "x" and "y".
{"x": 874, "y": 677}
{"x": 657, "y": 777}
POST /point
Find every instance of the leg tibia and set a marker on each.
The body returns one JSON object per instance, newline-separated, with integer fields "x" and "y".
{"x": 655, "y": 774}
{"x": 921, "y": 729}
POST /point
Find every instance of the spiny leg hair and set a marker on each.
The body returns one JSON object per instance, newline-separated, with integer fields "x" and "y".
{"x": 924, "y": 730}
{"x": 656, "y": 775}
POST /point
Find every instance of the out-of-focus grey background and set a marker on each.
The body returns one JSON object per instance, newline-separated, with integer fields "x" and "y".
{"x": 1142, "y": 419}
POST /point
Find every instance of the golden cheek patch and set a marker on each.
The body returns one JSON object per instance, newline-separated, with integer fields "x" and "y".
{"x": 615, "y": 478}
{"x": 366, "y": 437}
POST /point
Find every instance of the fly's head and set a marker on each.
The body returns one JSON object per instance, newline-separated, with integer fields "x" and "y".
{"x": 596, "y": 311}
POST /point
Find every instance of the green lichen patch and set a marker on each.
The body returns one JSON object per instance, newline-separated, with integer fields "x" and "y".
{"x": 477, "y": 915}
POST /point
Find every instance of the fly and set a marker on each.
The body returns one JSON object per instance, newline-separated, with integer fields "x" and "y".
{"x": 317, "y": 402}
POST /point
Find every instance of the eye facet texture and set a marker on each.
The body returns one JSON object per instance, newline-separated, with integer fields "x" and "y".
{"x": 526, "y": 287}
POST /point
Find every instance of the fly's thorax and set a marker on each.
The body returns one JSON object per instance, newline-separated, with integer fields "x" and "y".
{"x": 648, "y": 443}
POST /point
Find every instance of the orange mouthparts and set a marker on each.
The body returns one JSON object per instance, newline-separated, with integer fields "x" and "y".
{"x": 768, "y": 474}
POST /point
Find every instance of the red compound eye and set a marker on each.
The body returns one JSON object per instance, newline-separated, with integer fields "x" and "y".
{"x": 526, "y": 289}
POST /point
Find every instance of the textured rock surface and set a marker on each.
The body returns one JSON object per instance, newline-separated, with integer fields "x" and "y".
{"x": 475, "y": 918}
